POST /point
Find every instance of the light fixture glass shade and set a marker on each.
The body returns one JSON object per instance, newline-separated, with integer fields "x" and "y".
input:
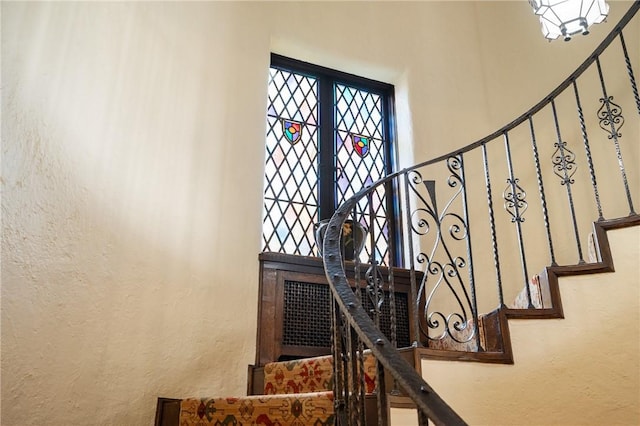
{"x": 568, "y": 17}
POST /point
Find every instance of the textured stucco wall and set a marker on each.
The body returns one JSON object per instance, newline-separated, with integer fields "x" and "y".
{"x": 132, "y": 156}
{"x": 123, "y": 269}
{"x": 580, "y": 370}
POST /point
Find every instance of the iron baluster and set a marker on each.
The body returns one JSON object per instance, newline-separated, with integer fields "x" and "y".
{"x": 354, "y": 404}
{"x": 352, "y": 379}
{"x": 392, "y": 317}
{"x": 412, "y": 267}
{"x": 357, "y": 264}
{"x": 423, "y": 420}
{"x": 359, "y": 380}
{"x": 543, "y": 198}
{"x": 339, "y": 389}
{"x": 459, "y": 162}
{"x": 587, "y": 149}
{"x": 348, "y": 367}
{"x": 440, "y": 263}
{"x": 632, "y": 79}
{"x": 381, "y": 394}
{"x": 345, "y": 360}
{"x": 362, "y": 383}
{"x": 375, "y": 290}
{"x": 515, "y": 199}
{"x": 564, "y": 168}
{"x": 611, "y": 119}
{"x": 392, "y": 307}
{"x": 492, "y": 225}
{"x": 373, "y": 276}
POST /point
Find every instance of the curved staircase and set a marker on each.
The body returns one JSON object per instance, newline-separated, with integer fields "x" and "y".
{"x": 511, "y": 271}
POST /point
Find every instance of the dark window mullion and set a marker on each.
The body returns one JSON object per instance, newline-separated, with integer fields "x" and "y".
{"x": 393, "y": 206}
{"x": 326, "y": 152}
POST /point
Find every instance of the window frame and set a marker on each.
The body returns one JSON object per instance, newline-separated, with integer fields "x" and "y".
{"x": 327, "y": 170}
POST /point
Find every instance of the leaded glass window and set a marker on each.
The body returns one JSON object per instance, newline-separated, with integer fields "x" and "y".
{"x": 328, "y": 136}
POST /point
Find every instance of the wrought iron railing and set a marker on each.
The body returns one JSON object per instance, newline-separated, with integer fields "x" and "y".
{"x": 451, "y": 224}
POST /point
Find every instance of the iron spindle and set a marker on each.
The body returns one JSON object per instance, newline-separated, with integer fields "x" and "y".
{"x": 632, "y": 79}
{"x": 362, "y": 383}
{"x": 374, "y": 283}
{"x": 392, "y": 306}
{"x": 423, "y": 420}
{"x": 587, "y": 150}
{"x": 492, "y": 225}
{"x": 516, "y": 200}
{"x": 565, "y": 163}
{"x": 338, "y": 383}
{"x": 381, "y": 393}
{"x": 359, "y": 378}
{"x": 350, "y": 367}
{"x": 392, "y": 317}
{"x": 472, "y": 285}
{"x": 543, "y": 198}
{"x": 412, "y": 267}
{"x": 357, "y": 264}
{"x": 614, "y": 135}
{"x": 351, "y": 377}
{"x": 344, "y": 362}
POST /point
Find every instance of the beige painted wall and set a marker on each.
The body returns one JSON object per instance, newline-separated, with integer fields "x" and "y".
{"x": 132, "y": 182}
{"x": 583, "y": 369}
{"x": 132, "y": 170}
{"x": 132, "y": 155}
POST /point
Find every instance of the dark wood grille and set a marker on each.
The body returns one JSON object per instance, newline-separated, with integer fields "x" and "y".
{"x": 402, "y": 317}
{"x": 307, "y": 319}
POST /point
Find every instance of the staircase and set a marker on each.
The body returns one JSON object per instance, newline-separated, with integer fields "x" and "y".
{"x": 473, "y": 267}
{"x": 298, "y": 392}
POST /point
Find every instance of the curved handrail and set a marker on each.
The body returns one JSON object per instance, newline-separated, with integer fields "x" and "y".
{"x": 415, "y": 387}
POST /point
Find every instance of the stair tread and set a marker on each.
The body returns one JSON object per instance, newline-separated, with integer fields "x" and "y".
{"x": 315, "y": 408}
{"x": 309, "y": 375}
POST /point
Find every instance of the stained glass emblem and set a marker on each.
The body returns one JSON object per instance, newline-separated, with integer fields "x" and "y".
{"x": 360, "y": 144}
{"x": 292, "y": 130}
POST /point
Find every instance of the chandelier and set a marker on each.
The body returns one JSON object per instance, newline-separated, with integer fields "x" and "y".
{"x": 569, "y": 17}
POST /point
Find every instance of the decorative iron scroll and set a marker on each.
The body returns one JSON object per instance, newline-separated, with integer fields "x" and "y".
{"x": 514, "y": 200}
{"x": 375, "y": 290}
{"x": 611, "y": 119}
{"x": 442, "y": 267}
{"x": 564, "y": 163}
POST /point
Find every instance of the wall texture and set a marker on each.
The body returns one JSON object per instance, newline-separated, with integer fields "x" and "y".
{"x": 131, "y": 202}
{"x": 580, "y": 370}
{"x": 132, "y": 156}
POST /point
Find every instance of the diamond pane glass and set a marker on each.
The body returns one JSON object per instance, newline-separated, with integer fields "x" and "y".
{"x": 358, "y": 114}
{"x": 291, "y": 169}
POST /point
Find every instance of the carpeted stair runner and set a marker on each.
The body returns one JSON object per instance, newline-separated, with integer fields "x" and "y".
{"x": 299, "y": 392}
{"x": 296, "y": 393}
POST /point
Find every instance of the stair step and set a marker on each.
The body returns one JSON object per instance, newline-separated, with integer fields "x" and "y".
{"x": 309, "y": 375}
{"x": 297, "y": 392}
{"x": 314, "y": 408}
